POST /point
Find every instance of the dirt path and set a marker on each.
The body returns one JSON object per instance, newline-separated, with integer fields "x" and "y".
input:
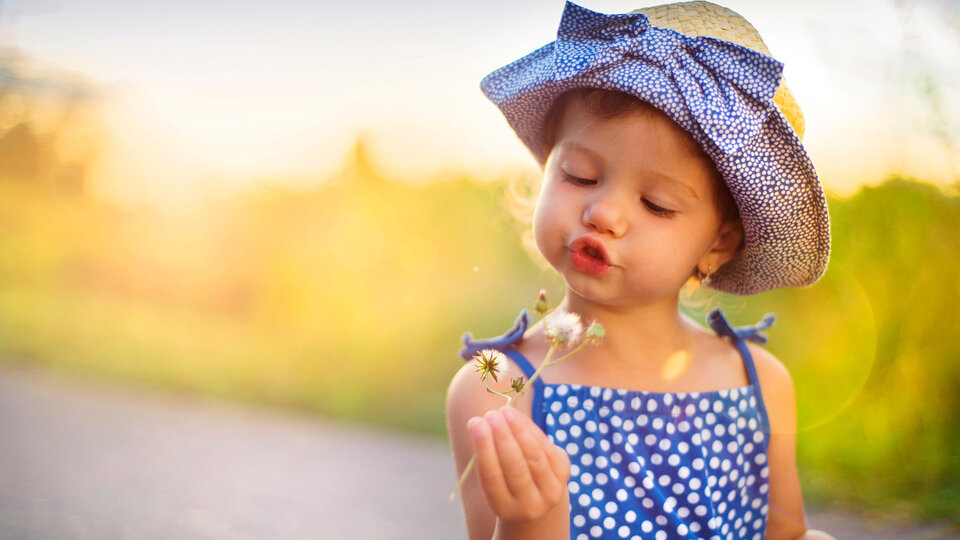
{"x": 86, "y": 459}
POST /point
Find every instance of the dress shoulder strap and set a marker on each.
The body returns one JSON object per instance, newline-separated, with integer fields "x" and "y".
{"x": 503, "y": 343}
{"x": 738, "y": 337}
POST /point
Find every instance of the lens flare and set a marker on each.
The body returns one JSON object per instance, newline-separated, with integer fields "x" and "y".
{"x": 834, "y": 360}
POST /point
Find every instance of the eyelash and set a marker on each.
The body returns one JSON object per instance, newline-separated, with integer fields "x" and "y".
{"x": 580, "y": 181}
{"x": 658, "y": 210}
{"x": 652, "y": 207}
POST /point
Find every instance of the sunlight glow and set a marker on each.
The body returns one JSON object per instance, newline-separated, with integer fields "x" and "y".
{"x": 356, "y": 240}
{"x": 245, "y": 95}
{"x": 676, "y": 364}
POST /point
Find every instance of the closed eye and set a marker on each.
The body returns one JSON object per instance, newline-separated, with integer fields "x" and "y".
{"x": 579, "y": 181}
{"x": 658, "y": 210}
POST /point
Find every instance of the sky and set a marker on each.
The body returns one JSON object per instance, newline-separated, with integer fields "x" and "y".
{"x": 208, "y": 98}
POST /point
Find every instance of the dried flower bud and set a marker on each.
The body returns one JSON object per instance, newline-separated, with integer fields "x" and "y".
{"x": 517, "y": 384}
{"x": 540, "y": 306}
{"x": 490, "y": 362}
{"x": 595, "y": 333}
{"x": 563, "y": 328}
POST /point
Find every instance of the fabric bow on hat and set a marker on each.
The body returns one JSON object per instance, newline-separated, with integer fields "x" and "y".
{"x": 730, "y": 105}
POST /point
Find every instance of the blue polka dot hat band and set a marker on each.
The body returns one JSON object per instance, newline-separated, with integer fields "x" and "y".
{"x": 722, "y": 94}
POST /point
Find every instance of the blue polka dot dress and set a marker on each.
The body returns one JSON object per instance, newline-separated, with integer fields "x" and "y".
{"x": 648, "y": 465}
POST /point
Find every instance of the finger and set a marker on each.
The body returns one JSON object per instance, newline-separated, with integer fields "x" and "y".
{"x": 488, "y": 463}
{"x": 531, "y": 441}
{"x": 545, "y": 441}
{"x": 514, "y": 464}
{"x": 559, "y": 461}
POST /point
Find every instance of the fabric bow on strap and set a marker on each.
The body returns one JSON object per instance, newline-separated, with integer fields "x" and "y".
{"x": 753, "y": 333}
{"x": 727, "y": 88}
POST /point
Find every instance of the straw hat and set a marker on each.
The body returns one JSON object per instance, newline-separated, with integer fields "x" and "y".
{"x": 706, "y": 19}
{"x": 706, "y": 67}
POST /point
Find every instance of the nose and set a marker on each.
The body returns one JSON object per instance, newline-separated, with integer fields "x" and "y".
{"x": 605, "y": 213}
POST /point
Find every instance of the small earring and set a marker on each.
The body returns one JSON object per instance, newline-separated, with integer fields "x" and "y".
{"x": 705, "y": 278}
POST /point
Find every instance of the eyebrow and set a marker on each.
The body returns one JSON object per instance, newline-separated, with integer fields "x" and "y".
{"x": 678, "y": 185}
{"x": 572, "y": 145}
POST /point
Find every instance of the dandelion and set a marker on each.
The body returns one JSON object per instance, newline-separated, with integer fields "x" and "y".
{"x": 490, "y": 362}
{"x": 595, "y": 333}
{"x": 563, "y": 328}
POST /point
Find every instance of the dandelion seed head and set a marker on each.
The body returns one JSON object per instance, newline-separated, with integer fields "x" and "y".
{"x": 563, "y": 328}
{"x": 490, "y": 362}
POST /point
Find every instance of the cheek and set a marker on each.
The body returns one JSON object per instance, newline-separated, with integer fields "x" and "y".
{"x": 542, "y": 222}
{"x": 548, "y": 215}
{"x": 695, "y": 242}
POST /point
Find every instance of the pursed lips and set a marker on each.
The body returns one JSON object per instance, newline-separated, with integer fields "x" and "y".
{"x": 592, "y": 246}
{"x": 589, "y": 255}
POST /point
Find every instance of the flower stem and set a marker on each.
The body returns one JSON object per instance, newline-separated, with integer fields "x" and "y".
{"x": 463, "y": 477}
{"x": 568, "y": 355}
{"x": 501, "y": 394}
{"x": 536, "y": 374}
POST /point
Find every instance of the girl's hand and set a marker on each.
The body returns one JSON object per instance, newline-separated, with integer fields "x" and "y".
{"x": 523, "y": 475}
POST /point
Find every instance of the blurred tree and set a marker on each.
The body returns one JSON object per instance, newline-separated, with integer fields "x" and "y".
{"x": 46, "y": 137}
{"x": 22, "y": 155}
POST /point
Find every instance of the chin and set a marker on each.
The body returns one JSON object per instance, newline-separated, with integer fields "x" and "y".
{"x": 608, "y": 294}
{"x": 590, "y": 289}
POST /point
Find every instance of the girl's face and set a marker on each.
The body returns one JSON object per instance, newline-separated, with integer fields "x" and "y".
{"x": 627, "y": 210}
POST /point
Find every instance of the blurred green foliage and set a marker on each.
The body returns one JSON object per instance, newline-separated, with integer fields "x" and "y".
{"x": 349, "y": 300}
{"x": 875, "y": 354}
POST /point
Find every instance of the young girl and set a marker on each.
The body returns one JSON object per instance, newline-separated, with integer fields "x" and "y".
{"x": 668, "y": 154}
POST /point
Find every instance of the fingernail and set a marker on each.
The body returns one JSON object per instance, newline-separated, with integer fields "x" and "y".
{"x": 477, "y": 426}
{"x": 509, "y": 413}
{"x": 494, "y": 418}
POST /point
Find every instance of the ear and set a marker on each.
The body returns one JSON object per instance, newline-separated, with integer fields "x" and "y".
{"x": 725, "y": 247}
